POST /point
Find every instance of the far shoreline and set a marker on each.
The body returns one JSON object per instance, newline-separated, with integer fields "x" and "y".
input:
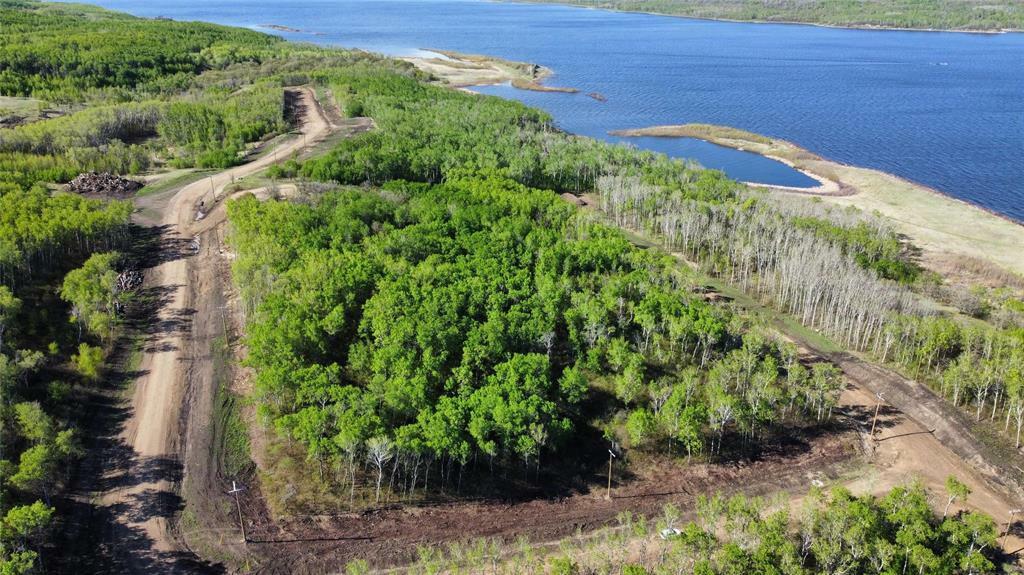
{"x": 860, "y": 27}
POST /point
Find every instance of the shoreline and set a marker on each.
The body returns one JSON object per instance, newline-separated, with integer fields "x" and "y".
{"x": 826, "y": 186}
{"x": 862, "y": 27}
{"x": 288, "y": 29}
{"x": 937, "y": 222}
{"x": 462, "y": 70}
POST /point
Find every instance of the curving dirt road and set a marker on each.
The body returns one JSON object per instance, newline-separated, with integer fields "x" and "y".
{"x": 137, "y": 496}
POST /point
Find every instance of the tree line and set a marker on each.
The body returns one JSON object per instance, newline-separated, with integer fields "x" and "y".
{"x": 56, "y": 323}
{"x": 805, "y": 271}
{"x": 929, "y": 14}
{"x": 975, "y": 364}
{"x": 208, "y": 129}
{"x": 836, "y": 282}
{"x": 75, "y": 53}
{"x": 39, "y": 230}
{"x": 426, "y": 132}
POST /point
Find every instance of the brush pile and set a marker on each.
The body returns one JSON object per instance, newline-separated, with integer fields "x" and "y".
{"x": 103, "y": 184}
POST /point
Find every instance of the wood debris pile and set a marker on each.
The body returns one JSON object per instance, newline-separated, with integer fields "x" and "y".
{"x": 106, "y": 184}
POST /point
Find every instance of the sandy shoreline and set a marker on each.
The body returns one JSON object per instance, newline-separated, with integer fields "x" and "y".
{"x": 937, "y": 223}
{"x": 867, "y": 27}
{"x": 464, "y": 70}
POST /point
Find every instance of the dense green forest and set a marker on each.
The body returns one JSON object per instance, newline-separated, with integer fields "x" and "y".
{"x": 52, "y": 347}
{"x": 140, "y": 94}
{"x": 482, "y": 319}
{"x": 923, "y": 14}
{"x": 72, "y": 53}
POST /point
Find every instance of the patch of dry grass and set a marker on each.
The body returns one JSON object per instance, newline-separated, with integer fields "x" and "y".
{"x": 15, "y": 111}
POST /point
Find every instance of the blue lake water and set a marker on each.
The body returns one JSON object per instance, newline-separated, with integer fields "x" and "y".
{"x": 942, "y": 109}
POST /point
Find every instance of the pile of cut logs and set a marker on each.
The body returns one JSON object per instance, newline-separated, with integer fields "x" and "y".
{"x": 105, "y": 184}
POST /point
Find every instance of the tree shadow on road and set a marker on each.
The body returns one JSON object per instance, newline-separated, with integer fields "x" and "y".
{"x": 114, "y": 492}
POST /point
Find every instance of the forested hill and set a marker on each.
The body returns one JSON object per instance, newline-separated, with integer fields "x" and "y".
{"x": 975, "y": 15}
{"x": 67, "y": 52}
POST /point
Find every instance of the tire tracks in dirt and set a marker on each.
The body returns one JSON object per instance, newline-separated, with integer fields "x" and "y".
{"x": 133, "y": 498}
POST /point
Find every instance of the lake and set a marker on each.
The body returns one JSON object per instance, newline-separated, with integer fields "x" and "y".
{"x": 942, "y": 109}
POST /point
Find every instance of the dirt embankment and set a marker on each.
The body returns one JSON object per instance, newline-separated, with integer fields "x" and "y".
{"x": 462, "y": 70}
{"x": 391, "y": 536}
{"x": 938, "y": 224}
{"x": 922, "y": 437}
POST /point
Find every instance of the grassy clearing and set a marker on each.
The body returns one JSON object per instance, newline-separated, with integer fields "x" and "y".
{"x": 20, "y": 110}
{"x": 234, "y": 438}
{"x": 172, "y": 180}
{"x": 700, "y": 131}
{"x": 230, "y": 432}
{"x": 135, "y": 344}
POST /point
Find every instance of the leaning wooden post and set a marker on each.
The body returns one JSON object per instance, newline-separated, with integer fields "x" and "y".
{"x": 874, "y": 420}
{"x": 1009, "y": 523}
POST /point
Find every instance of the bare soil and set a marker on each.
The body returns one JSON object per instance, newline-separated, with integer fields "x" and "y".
{"x": 129, "y": 504}
{"x": 390, "y": 536}
{"x": 462, "y": 70}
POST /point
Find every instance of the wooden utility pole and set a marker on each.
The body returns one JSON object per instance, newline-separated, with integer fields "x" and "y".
{"x": 874, "y": 420}
{"x": 241, "y": 524}
{"x": 1010, "y": 522}
{"x": 611, "y": 456}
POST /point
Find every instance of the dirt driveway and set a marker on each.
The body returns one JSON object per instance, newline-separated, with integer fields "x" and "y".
{"x": 132, "y": 488}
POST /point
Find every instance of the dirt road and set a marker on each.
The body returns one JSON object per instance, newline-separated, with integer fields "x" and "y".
{"x": 137, "y": 496}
